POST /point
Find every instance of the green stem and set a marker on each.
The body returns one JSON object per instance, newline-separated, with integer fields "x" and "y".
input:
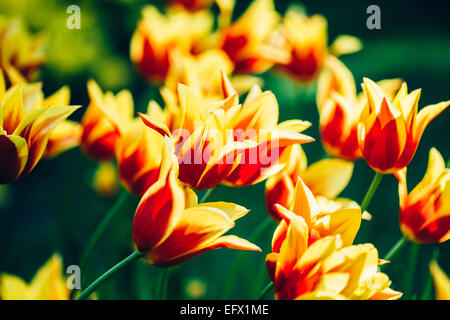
{"x": 409, "y": 275}
{"x": 164, "y": 283}
{"x": 208, "y": 194}
{"x": 260, "y": 230}
{"x": 394, "y": 250}
{"x": 101, "y": 228}
{"x": 108, "y": 274}
{"x": 371, "y": 191}
{"x": 266, "y": 290}
{"x": 429, "y": 284}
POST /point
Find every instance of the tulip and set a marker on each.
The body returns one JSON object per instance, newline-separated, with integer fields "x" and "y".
{"x": 257, "y": 122}
{"x": 250, "y": 44}
{"x": 157, "y": 35}
{"x": 206, "y": 155}
{"x": 21, "y": 54}
{"x": 67, "y": 133}
{"x": 441, "y": 281}
{"x": 170, "y": 227}
{"x": 340, "y": 109}
{"x": 138, "y": 157}
{"x": 325, "y": 269}
{"x": 223, "y": 142}
{"x": 325, "y": 178}
{"x": 425, "y": 211}
{"x": 341, "y": 220}
{"x": 306, "y": 40}
{"x": 47, "y": 284}
{"x": 390, "y": 130}
{"x": 25, "y": 127}
{"x": 99, "y": 136}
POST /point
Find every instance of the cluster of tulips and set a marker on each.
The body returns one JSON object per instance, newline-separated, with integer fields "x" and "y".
{"x": 206, "y": 135}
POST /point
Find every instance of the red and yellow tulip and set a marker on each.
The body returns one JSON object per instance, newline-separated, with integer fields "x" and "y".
{"x": 205, "y": 152}
{"x": 220, "y": 141}
{"x": 340, "y": 108}
{"x": 390, "y": 130}
{"x": 99, "y": 136}
{"x": 343, "y": 221}
{"x": 157, "y": 35}
{"x": 170, "y": 227}
{"x": 425, "y": 211}
{"x": 138, "y": 157}
{"x": 326, "y": 178}
{"x": 256, "y": 121}
{"x": 26, "y": 123}
{"x": 251, "y": 41}
{"x": 306, "y": 40}
{"x": 67, "y": 133}
{"x": 325, "y": 269}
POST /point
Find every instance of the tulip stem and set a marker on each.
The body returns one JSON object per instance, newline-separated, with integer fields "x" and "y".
{"x": 101, "y": 228}
{"x": 108, "y": 274}
{"x": 266, "y": 290}
{"x": 409, "y": 276}
{"x": 208, "y": 194}
{"x": 164, "y": 282}
{"x": 260, "y": 229}
{"x": 429, "y": 284}
{"x": 371, "y": 191}
{"x": 394, "y": 250}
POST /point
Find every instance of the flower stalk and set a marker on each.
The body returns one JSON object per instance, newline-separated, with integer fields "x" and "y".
{"x": 108, "y": 274}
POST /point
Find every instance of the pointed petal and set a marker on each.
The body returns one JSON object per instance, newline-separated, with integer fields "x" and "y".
{"x": 328, "y": 177}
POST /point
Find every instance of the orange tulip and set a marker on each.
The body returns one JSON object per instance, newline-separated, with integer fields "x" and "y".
{"x": 25, "y": 127}
{"x": 157, "y": 35}
{"x": 251, "y": 41}
{"x": 325, "y": 269}
{"x": 326, "y": 178}
{"x": 340, "y": 108}
{"x": 170, "y": 227}
{"x": 390, "y": 131}
{"x": 99, "y": 136}
{"x": 306, "y": 40}
{"x": 425, "y": 211}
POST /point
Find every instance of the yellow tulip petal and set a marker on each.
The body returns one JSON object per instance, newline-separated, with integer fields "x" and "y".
{"x": 328, "y": 177}
{"x": 13, "y": 288}
{"x": 441, "y": 282}
{"x": 304, "y": 204}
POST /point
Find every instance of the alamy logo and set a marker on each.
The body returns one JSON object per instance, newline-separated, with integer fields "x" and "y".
{"x": 74, "y": 20}
{"x": 74, "y": 280}
{"x": 374, "y": 20}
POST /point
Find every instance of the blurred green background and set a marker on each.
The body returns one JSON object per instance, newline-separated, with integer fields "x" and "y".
{"x": 55, "y": 208}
